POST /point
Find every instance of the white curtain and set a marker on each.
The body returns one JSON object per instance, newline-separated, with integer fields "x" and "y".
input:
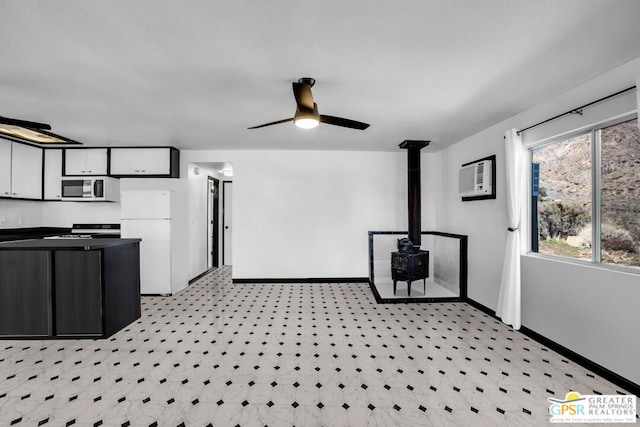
{"x": 509, "y": 298}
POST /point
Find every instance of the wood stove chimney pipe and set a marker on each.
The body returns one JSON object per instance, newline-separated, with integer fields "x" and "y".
{"x": 413, "y": 148}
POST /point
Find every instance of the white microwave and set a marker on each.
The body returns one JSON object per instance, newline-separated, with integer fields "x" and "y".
{"x": 90, "y": 189}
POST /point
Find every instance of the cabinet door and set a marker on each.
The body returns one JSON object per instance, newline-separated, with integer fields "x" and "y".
{"x": 78, "y": 293}
{"x": 52, "y": 174}
{"x": 85, "y": 161}
{"x": 140, "y": 161}
{"x": 25, "y": 293}
{"x": 75, "y": 162}
{"x": 5, "y": 168}
{"x": 121, "y": 287}
{"x": 96, "y": 161}
{"x": 26, "y": 172}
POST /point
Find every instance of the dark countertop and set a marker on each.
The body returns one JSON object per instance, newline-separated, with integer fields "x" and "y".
{"x": 8, "y": 234}
{"x": 66, "y": 244}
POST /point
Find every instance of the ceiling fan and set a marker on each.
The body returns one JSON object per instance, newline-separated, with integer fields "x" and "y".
{"x": 306, "y": 115}
{"x": 31, "y": 131}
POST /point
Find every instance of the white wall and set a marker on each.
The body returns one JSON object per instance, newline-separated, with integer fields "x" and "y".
{"x": 556, "y": 297}
{"x": 303, "y": 214}
{"x": 430, "y": 176}
{"x": 484, "y": 221}
{"x": 297, "y": 214}
{"x": 65, "y": 214}
{"x": 20, "y": 214}
{"x": 590, "y": 310}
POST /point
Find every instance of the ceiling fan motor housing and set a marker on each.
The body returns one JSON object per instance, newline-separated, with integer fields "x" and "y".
{"x": 307, "y": 81}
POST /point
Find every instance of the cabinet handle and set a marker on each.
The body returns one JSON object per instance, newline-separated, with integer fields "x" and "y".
{"x": 7, "y": 193}
{"x": 15, "y": 194}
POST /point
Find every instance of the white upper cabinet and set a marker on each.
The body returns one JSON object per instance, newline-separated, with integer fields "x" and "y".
{"x": 52, "y": 174}
{"x": 26, "y": 172}
{"x": 5, "y": 168}
{"x": 85, "y": 161}
{"x": 156, "y": 161}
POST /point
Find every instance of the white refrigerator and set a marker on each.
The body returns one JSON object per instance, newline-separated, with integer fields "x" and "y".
{"x": 147, "y": 215}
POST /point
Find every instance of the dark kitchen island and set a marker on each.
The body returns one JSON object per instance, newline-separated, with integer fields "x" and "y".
{"x": 68, "y": 288}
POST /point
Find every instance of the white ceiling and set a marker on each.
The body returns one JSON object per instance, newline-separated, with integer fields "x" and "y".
{"x": 197, "y": 73}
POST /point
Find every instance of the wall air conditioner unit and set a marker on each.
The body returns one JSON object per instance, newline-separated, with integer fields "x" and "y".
{"x": 476, "y": 179}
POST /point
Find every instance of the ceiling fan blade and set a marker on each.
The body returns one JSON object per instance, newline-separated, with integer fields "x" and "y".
{"x": 24, "y": 123}
{"x": 272, "y": 123}
{"x": 339, "y": 121}
{"x": 304, "y": 98}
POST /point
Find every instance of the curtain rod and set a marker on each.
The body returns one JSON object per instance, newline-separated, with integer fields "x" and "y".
{"x": 578, "y": 110}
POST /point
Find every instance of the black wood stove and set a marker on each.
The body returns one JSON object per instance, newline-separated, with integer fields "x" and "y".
{"x": 411, "y": 263}
{"x": 410, "y": 266}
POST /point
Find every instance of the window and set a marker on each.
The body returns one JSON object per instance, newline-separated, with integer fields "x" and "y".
{"x": 586, "y": 195}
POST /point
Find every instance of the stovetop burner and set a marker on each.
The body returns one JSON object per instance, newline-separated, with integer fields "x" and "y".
{"x": 90, "y": 231}
{"x": 97, "y": 230}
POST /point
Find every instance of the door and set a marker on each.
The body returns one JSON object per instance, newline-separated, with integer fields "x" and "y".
{"x": 155, "y": 253}
{"x": 213, "y": 191}
{"x": 226, "y": 221}
{"x": 140, "y": 204}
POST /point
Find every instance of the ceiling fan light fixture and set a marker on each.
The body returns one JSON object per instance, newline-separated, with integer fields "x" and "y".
{"x": 307, "y": 119}
{"x": 306, "y": 122}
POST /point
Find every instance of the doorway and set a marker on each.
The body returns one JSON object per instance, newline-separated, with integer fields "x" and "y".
{"x": 213, "y": 222}
{"x": 226, "y": 222}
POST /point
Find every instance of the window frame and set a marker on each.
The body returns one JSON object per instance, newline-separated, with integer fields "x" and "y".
{"x": 595, "y": 131}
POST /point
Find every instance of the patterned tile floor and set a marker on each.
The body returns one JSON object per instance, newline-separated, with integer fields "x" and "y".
{"x": 289, "y": 354}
